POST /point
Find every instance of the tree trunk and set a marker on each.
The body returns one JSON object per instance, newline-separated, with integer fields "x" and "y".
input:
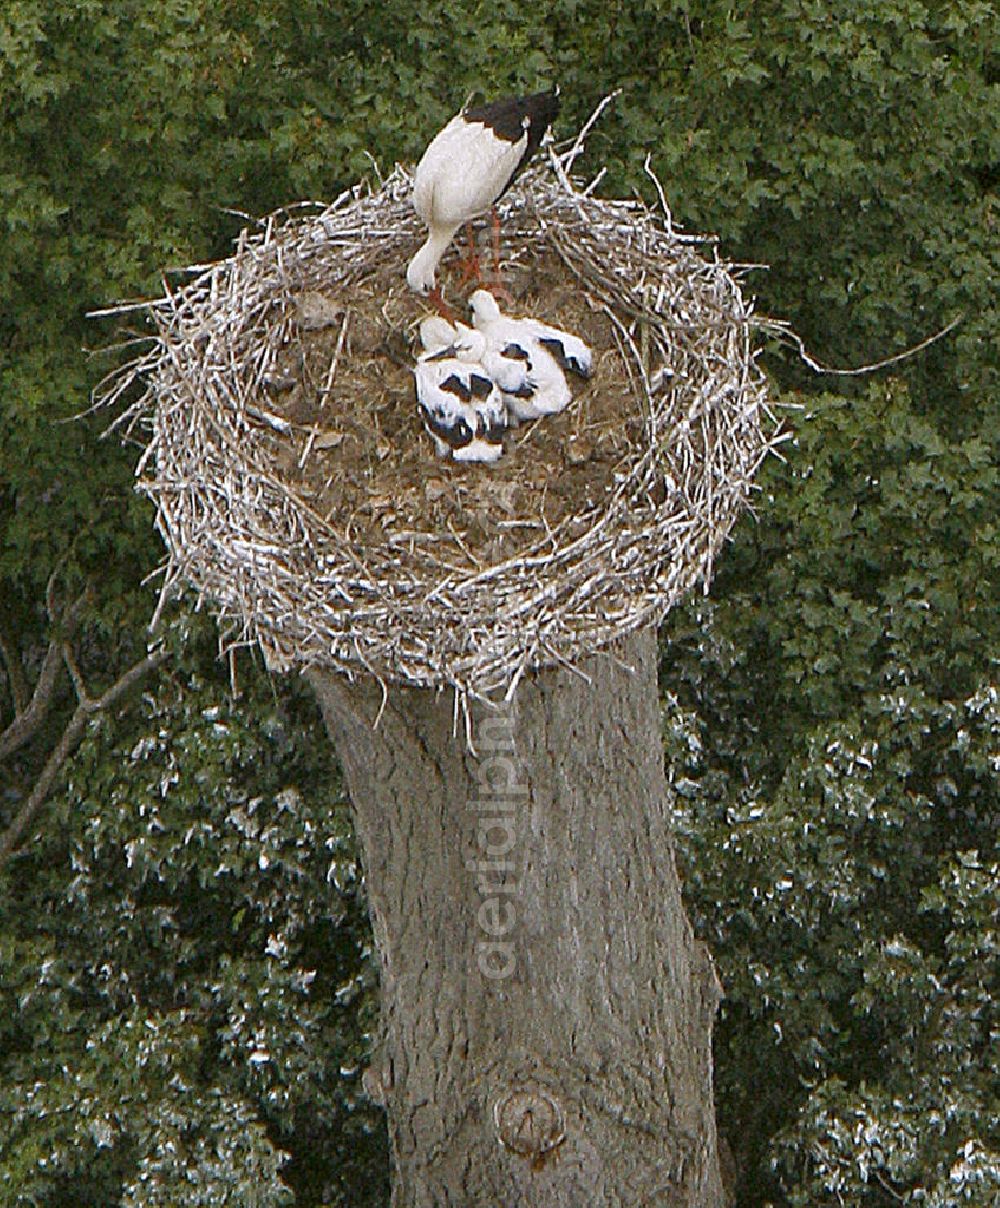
{"x": 547, "y": 1011}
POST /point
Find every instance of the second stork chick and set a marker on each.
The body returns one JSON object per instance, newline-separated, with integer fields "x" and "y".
{"x": 545, "y": 351}
{"x": 508, "y": 367}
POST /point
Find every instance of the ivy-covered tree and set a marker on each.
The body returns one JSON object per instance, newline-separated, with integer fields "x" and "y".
{"x": 187, "y": 990}
{"x": 832, "y": 721}
{"x": 831, "y": 712}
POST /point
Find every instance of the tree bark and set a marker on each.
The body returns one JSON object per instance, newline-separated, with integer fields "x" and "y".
{"x": 547, "y": 1011}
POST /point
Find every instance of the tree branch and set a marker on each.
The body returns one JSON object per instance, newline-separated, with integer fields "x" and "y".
{"x": 27, "y": 720}
{"x": 67, "y": 744}
{"x": 15, "y": 675}
{"x": 74, "y": 674}
{"x": 26, "y": 723}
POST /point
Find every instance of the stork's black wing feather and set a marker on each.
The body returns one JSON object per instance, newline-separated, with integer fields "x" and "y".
{"x": 480, "y": 387}
{"x": 512, "y": 117}
{"x": 456, "y": 434}
{"x": 453, "y": 384}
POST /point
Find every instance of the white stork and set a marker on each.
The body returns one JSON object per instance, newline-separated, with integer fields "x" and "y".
{"x": 461, "y": 407}
{"x": 570, "y": 352}
{"x": 546, "y": 351}
{"x": 467, "y": 168}
{"x": 510, "y": 368}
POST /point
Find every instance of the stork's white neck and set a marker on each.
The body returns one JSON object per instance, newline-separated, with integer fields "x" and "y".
{"x": 420, "y": 272}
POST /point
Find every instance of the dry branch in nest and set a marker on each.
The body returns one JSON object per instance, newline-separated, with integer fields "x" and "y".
{"x": 296, "y": 488}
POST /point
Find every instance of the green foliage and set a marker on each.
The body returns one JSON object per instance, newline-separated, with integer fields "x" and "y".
{"x": 831, "y": 710}
{"x": 184, "y": 1017}
{"x": 832, "y": 725}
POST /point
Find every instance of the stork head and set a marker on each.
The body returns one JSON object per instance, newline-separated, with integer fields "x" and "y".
{"x": 436, "y": 332}
{"x": 420, "y": 270}
{"x": 470, "y": 345}
{"x": 484, "y": 307}
{"x": 456, "y": 339}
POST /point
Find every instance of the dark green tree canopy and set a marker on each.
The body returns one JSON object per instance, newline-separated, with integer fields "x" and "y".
{"x": 185, "y": 976}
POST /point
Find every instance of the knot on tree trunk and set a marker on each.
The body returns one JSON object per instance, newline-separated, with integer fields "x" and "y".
{"x": 529, "y": 1122}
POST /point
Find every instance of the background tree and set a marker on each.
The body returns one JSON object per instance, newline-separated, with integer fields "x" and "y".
{"x": 830, "y": 712}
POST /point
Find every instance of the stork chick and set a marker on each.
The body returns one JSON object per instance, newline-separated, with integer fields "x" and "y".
{"x": 461, "y": 407}
{"x": 537, "y": 346}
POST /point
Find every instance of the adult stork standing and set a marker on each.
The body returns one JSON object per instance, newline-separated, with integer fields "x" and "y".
{"x": 467, "y": 168}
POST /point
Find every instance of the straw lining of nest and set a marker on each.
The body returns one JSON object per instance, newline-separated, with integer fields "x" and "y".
{"x": 268, "y": 367}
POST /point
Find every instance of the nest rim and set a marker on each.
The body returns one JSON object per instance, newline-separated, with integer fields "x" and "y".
{"x": 282, "y": 576}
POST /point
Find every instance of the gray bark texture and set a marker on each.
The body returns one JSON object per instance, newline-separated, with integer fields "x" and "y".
{"x": 547, "y": 1011}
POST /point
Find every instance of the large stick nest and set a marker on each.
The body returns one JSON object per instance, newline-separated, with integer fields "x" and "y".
{"x": 296, "y": 489}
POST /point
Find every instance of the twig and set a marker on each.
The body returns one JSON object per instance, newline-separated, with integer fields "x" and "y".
{"x": 788, "y": 336}
{"x": 332, "y": 372}
{"x": 569, "y": 157}
{"x": 28, "y": 720}
{"x": 647, "y": 168}
{"x": 71, "y": 736}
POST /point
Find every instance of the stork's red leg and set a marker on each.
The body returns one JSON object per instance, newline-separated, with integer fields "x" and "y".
{"x": 496, "y": 286}
{"x": 471, "y": 270}
{"x": 496, "y": 243}
{"x": 436, "y": 299}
